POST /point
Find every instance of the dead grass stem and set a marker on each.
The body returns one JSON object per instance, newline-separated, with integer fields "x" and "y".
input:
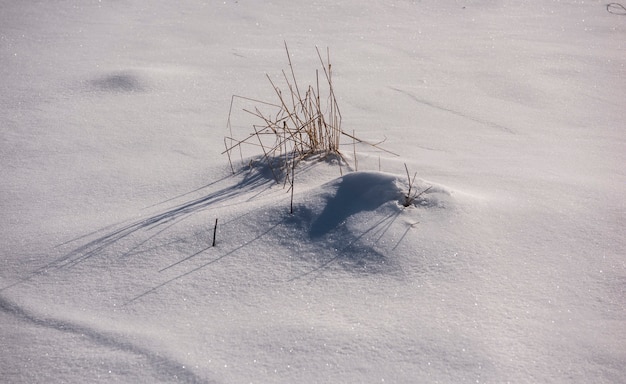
{"x": 303, "y": 122}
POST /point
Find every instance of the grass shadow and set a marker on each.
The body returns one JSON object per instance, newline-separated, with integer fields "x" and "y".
{"x": 355, "y": 253}
{"x": 250, "y": 181}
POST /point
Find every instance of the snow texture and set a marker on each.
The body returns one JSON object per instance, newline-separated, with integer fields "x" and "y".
{"x": 508, "y": 267}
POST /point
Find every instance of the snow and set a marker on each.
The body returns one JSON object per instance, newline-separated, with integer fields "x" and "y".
{"x": 510, "y": 268}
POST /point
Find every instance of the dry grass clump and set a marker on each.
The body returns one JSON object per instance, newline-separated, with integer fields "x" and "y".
{"x": 413, "y": 194}
{"x": 300, "y": 124}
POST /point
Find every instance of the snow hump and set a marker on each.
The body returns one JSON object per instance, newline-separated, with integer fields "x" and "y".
{"x": 354, "y": 193}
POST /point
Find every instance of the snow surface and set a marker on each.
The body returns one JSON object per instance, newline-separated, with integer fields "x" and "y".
{"x": 509, "y": 269}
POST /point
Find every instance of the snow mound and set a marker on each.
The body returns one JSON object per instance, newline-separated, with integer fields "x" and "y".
{"x": 350, "y": 195}
{"x": 357, "y": 222}
{"x": 357, "y": 193}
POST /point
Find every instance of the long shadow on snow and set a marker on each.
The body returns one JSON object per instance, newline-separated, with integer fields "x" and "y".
{"x": 251, "y": 181}
{"x": 355, "y": 192}
{"x": 164, "y": 220}
{"x": 353, "y": 253}
{"x": 204, "y": 265}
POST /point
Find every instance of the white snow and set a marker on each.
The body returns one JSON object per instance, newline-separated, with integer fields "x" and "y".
{"x": 510, "y": 268}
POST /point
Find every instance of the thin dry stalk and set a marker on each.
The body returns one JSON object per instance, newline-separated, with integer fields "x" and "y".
{"x": 299, "y": 125}
{"x": 214, "y": 233}
{"x": 356, "y": 162}
{"x": 409, "y": 197}
{"x": 408, "y": 194}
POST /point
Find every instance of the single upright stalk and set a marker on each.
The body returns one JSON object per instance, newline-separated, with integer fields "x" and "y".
{"x": 214, "y": 232}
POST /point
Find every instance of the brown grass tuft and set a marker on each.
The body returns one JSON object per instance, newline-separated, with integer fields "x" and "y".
{"x": 300, "y": 124}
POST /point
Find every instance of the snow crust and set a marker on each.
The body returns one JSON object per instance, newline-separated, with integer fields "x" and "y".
{"x": 508, "y": 268}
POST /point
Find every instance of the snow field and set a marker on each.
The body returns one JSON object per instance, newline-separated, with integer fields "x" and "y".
{"x": 510, "y": 269}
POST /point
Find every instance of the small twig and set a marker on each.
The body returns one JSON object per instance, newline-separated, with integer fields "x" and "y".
{"x": 293, "y": 176}
{"x": 214, "y": 232}
{"x": 375, "y": 145}
{"x": 616, "y": 9}
{"x": 408, "y": 198}
{"x": 421, "y": 193}
{"x": 229, "y": 159}
{"x": 408, "y": 176}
